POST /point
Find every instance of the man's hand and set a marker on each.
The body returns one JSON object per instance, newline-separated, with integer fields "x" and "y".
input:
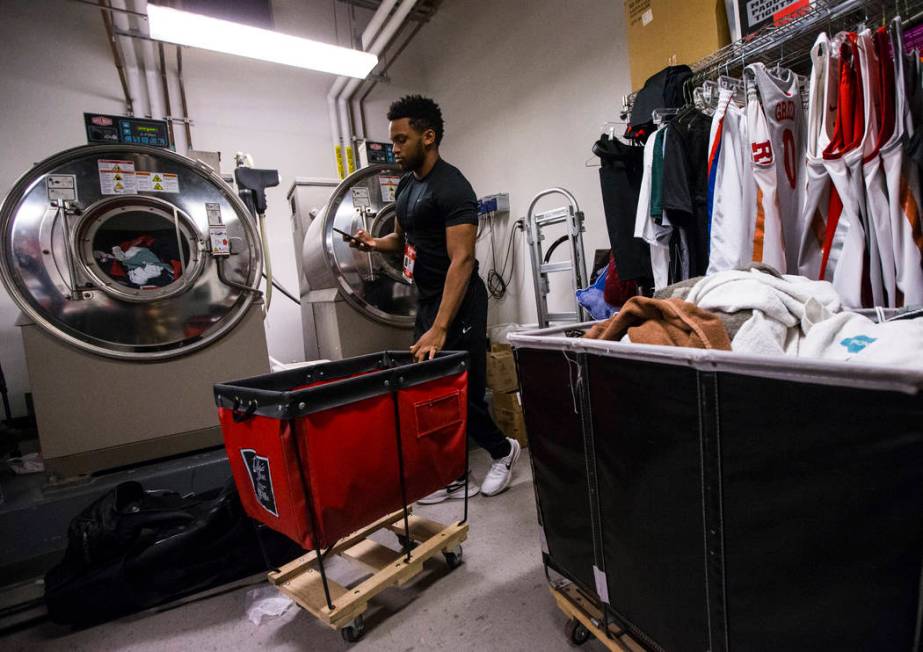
{"x": 366, "y": 242}
{"x": 429, "y": 344}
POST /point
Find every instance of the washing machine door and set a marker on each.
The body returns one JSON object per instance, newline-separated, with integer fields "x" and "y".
{"x": 107, "y": 247}
{"x": 372, "y": 282}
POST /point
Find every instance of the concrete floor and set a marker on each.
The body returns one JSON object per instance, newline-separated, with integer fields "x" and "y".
{"x": 497, "y": 600}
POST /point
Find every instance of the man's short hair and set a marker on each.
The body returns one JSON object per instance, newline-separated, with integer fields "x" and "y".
{"x": 423, "y": 113}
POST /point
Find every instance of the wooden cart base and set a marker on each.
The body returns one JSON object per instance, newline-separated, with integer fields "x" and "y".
{"x": 300, "y": 579}
{"x": 586, "y": 621}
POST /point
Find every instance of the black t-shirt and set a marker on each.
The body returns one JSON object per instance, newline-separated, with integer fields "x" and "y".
{"x": 425, "y": 207}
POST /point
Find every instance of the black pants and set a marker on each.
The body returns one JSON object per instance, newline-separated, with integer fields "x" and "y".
{"x": 469, "y": 333}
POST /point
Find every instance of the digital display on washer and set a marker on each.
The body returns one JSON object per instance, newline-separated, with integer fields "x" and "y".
{"x": 110, "y": 129}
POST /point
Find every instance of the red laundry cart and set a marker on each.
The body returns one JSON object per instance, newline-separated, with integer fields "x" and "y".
{"x": 318, "y": 452}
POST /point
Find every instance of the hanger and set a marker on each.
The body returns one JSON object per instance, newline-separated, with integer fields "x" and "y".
{"x": 610, "y": 129}
{"x": 699, "y": 101}
{"x": 658, "y": 115}
{"x": 628, "y": 102}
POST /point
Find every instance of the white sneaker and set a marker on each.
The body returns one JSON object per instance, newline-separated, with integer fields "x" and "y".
{"x": 454, "y": 491}
{"x": 501, "y": 471}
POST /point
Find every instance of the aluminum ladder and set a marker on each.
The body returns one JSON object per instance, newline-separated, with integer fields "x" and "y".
{"x": 572, "y": 217}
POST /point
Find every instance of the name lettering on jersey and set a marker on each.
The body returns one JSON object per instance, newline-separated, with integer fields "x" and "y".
{"x": 762, "y": 153}
{"x": 785, "y": 110}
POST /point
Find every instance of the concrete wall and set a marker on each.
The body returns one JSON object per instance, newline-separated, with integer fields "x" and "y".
{"x": 525, "y": 89}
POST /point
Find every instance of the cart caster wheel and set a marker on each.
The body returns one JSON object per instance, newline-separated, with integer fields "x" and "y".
{"x": 576, "y": 632}
{"x": 453, "y": 558}
{"x": 354, "y": 631}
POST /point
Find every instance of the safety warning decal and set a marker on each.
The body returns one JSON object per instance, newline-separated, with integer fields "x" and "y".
{"x": 388, "y": 184}
{"x": 152, "y": 181}
{"x": 258, "y": 469}
{"x": 213, "y": 211}
{"x": 117, "y": 177}
{"x": 361, "y": 198}
{"x": 61, "y": 186}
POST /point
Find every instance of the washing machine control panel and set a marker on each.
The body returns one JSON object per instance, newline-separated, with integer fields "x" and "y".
{"x": 112, "y": 129}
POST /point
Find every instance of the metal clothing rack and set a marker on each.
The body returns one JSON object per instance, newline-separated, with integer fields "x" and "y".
{"x": 789, "y": 44}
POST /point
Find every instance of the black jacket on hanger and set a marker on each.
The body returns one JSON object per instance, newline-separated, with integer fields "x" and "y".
{"x": 620, "y": 178}
{"x": 685, "y": 183}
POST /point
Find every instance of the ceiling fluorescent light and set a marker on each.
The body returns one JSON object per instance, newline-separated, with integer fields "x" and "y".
{"x": 198, "y": 31}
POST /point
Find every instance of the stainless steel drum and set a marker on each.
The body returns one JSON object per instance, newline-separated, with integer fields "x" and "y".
{"x": 117, "y": 250}
{"x": 373, "y": 283}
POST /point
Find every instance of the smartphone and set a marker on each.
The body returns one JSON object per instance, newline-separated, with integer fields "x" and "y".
{"x": 348, "y": 236}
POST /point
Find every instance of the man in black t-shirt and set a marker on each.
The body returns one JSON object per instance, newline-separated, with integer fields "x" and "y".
{"x": 436, "y": 229}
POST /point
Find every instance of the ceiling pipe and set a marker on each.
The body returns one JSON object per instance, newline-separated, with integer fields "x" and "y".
{"x": 338, "y": 135}
{"x": 116, "y": 55}
{"x": 379, "y": 43}
{"x": 136, "y": 87}
{"x": 154, "y": 89}
{"x": 358, "y": 102}
{"x": 378, "y": 19}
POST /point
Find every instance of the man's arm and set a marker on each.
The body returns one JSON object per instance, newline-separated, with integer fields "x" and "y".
{"x": 460, "y": 241}
{"x": 391, "y": 243}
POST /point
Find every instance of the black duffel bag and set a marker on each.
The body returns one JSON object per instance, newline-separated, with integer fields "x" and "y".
{"x": 133, "y": 549}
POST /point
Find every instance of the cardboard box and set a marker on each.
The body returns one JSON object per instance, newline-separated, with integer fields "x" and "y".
{"x": 499, "y": 347}
{"x": 507, "y": 401}
{"x": 512, "y": 423}
{"x": 666, "y": 32}
{"x": 501, "y": 371}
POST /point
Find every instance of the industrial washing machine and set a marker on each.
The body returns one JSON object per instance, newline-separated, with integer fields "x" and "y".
{"x": 137, "y": 273}
{"x": 352, "y": 302}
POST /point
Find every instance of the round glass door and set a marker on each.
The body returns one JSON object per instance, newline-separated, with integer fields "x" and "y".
{"x": 139, "y": 249}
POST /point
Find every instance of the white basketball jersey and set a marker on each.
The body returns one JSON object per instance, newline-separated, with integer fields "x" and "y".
{"x": 822, "y": 106}
{"x": 845, "y": 252}
{"x": 879, "y": 87}
{"x": 732, "y": 191}
{"x": 903, "y": 182}
{"x": 775, "y": 123}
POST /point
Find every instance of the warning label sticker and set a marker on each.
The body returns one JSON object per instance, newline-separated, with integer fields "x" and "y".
{"x": 388, "y": 185}
{"x": 61, "y": 186}
{"x": 117, "y": 177}
{"x": 361, "y": 197}
{"x": 213, "y": 211}
{"x": 150, "y": 181}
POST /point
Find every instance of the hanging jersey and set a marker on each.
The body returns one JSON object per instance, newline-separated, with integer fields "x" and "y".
{"x": 873, "y": 280}
{"x": 903, "y": 183}
{"x": 844, "y": 242}
{"x": 880, "y": 87}
{"x": 818, "y": 189}
{"x": 774, "y": 124}
{"x": 732, "y": 194}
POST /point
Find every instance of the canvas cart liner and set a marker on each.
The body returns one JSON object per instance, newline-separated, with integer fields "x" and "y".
{"x": 713, "y": 500}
